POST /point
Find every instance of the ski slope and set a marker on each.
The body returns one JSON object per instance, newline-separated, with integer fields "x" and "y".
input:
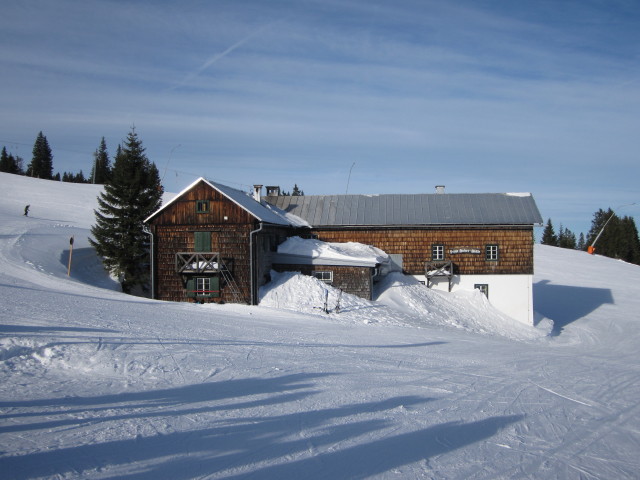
{"x": 419, "y": 384}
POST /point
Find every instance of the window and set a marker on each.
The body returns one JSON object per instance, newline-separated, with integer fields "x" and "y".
{"x": 201, "y": 287}
{"x": 202, "y": 206}
{"x": 491, "y": 252}
{"x": 323, "y": 275}
{"x": 483, "y": 287}
{"x": 437, "y": 252}
{"x": 202, "y": 241}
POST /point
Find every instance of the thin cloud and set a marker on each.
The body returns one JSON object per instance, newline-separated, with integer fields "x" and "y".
{"x": 211, "y": 61}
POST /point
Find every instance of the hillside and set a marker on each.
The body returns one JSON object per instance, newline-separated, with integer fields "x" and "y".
{"x": 97, "y": 384}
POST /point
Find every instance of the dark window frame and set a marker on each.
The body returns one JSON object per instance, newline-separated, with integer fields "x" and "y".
{"x": 437, "y": 252}
{"x": 492, "y": 252}
{"x": 320, "y": 275}
{"x": 202, "y": 206}
{"x": 483, "y": 287}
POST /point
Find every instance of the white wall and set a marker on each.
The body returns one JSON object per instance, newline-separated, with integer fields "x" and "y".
{"x": 511, "y": 294}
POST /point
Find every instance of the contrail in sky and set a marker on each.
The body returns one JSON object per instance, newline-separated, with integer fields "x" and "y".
{"x": 221, "y": 55}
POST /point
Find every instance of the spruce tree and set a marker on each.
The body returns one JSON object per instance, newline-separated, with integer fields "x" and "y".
{"x": 41, "y": 165}
{"x": 566, "y": 238}
{"x": 5, "y": 162}
{"x": 131, "y": 194}
{"x": 101, "y": 166}
{"x": 549, "y": 235}
{"x": 600, "y": 219}
{"x": 619, "y": 237}
{"x": 630, "y": 248}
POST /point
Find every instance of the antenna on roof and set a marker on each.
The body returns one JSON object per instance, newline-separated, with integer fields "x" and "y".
{"x": 167, "y": 165}
{"x": 349, "y": 179}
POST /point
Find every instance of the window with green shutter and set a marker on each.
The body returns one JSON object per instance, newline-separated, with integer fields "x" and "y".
{"x": 203, "y": 287}
{"x": 202, "y": 241}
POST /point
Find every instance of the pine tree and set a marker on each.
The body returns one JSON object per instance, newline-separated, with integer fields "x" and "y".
{"x": 131, "y": 194}
{"x": 630, "y": 248}
{"x": 600, "y": 219}
{"x": 296, "y": 191}
{"x": 566, "y": 238}
{"x": 9, "y": 163}
{"x": 549, "y": 235}
{"x": 5, "y": 163}
{"x": 101, "y": 170}
{"x": 619, "y": 237}
{"x": 582, "y": 244}
{"x": 41, "y": 165}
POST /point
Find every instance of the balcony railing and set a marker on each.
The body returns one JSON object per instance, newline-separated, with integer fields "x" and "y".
{"x": 198, "y": 262}
{"x": 437, "y": 270}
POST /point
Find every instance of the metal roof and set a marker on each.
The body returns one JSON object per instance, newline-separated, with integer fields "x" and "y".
{"x": 408, "y": 210}
{"x": 264, "y": 213}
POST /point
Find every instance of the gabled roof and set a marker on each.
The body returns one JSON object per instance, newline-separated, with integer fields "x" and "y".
{"x": 263, "y": 213}
{"x": 412, "y": 210}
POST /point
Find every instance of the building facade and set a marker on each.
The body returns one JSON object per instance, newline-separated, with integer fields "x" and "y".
{"x": 447, "y": 241}
{"x": 215, "y": 243}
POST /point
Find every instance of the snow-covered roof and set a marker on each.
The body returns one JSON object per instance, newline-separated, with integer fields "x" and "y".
{"x": 407, "y": 209}
{"x": 296, "y": 250}
{"x": 261, "y": 211}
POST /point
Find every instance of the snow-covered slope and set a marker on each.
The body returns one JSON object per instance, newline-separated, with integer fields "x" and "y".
{"x": 97, "y": 384}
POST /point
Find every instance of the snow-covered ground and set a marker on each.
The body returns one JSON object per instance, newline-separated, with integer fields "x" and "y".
{"x": 420, "y": 384}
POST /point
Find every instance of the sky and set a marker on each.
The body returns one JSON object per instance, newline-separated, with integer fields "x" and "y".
{"x": 339, "y": 96}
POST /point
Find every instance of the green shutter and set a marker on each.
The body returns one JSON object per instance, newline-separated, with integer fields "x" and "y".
{"x": 191, "y": 286}
{"x": 215, "y": 286}
{"x": 202, "y": 241}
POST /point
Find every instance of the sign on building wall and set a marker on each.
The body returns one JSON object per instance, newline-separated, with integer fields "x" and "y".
{"x": 456, "y": 251}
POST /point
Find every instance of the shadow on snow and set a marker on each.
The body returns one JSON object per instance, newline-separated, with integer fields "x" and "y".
{"x": 565, "y": 304}
{"x": 294, "y": 445}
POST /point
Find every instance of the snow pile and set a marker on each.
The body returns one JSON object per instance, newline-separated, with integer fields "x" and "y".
{"x": 402, "y": 299}
{"x": 468, "y": 310}
{"x": 303, "y": 293}
{"x": 348, "y": 251}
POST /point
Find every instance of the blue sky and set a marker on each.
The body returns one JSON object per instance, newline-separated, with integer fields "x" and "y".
{"x": 480, "y": 96}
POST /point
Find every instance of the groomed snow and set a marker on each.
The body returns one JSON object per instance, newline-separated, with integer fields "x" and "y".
{"x": 418, "y": 384}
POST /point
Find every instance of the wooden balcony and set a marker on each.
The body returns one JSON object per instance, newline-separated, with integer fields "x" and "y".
{"x": 437, "y": 270}
{"x": 198, "y": 262}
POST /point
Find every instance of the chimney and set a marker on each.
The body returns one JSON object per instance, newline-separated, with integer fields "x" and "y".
{"x": 439, "y": 188}
{"x": 273, "y": 191}
{"x": 257, "y": 192}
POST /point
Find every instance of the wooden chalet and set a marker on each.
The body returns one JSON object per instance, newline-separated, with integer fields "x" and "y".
{"x": 216, "y": 243}
{"x": 211, "y": 244}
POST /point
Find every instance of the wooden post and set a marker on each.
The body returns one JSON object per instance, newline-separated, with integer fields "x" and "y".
{"x": 70, "y": 255}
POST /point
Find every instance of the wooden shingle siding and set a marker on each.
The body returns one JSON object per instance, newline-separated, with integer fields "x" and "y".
{"x": 224, "y": 227}
{"x": 515, "y": 246}
{"x": 354, "y": 280}
{"x": 232, "y": 242}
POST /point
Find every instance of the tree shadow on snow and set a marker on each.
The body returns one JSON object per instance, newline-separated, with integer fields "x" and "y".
{"x": 298, "y": 444}
{"x": 236, "y": 441}
{"x": 565, "y": 304}
{"x": 31, "y": 329}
